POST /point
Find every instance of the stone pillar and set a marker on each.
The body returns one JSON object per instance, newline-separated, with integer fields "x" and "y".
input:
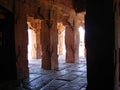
{"x": 33, "y": 44}
{"x": 38, "y": 48}
{"x": 49, "y": 42}
{"x": 76, "y": 43}
{"x": 53, "y": 45}
{"x": 69, "y": 43}
{"x": 78, "y": 21}
{"x": 21, "y": 40}
{"x": 49, "y": 36}
{"x": 34, "y": 25}
{"x": 117, "y": 44}
{"x": 99, "y": 26}
{"x": 45, "y": 44}
{"x": 61, "y": 43}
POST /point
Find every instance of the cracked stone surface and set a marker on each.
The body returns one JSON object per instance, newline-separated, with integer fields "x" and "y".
{"x": 69, "y": 76}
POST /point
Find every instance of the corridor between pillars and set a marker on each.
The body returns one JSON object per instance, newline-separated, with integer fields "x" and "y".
{"x": 49, "y": 41}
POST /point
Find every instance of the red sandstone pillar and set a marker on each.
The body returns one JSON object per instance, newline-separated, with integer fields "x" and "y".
{"x": 76, "y": 43}
{"x": 45, "y": 45}
{"x": 69, "y": 43}
{"x": 21, "y": 41}
{"x": 38, "y": 49}
{"x": 53, "y": 45}
{"x": 49, "y": 42}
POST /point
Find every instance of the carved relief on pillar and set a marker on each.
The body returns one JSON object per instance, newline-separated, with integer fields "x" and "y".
{"x": 53, "y": 45}
{"x": 21, "y": 40}
{"x": 79, "y": 22}
{"x": 69, "y": 42}
{"x": 61, "y": 44}
{"x": 22, "y": 62}
{"x": 45, "y": 45}
{"x": 34, "y": 25}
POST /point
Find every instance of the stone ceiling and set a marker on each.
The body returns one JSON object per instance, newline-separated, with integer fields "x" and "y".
{"x": 60, "y": 10}
{"x": 77, "y": 5}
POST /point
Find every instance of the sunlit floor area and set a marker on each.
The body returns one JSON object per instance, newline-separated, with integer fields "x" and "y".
{"x": 69, "y": 76}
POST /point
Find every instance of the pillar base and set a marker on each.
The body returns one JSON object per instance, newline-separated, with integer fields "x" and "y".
{"x": 46, "y": 64}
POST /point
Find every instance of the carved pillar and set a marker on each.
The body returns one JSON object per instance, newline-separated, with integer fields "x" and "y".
{"x": 53, "y": 45}
{"x": 34, "y": 43}
{"x": 53, "y": 38}
{"x": 76, "y": 43}
{"x": 45, "y": 44}
{"x": 60, "y": 43}
{"x": 78, "y": 21}
{"x": 38, "y": 48}
{"x": 69, "y": 42}
{"x": 49, "y": 41}
{"x": 61, "y": 38}
{"x": 21, "y": 40}
{"x": 49, "y": 36}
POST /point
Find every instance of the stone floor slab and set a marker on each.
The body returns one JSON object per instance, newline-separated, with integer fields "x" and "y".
{"x": 69, "y": 76}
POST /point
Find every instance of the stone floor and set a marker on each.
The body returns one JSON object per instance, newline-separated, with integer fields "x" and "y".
{"x": 68, "y": 77}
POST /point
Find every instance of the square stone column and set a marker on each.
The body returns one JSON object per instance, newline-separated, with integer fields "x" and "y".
{"x": 69, "y": 43}
{"x": 49, "y": 42}
{"x": 45, "y": 45}
{"x": 76, "y": 44}
{"x": 21, "y": 41}
{"x": 53, "y": 45}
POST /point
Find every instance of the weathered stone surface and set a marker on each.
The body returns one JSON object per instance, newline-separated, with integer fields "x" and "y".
{"x": 63, "y": 79}
{"x": 34, "y": 45}
{"x": 54, "y": 84}
{"x": 69, "y": 42}
{"x": 61, "y": 39}
{"x": 20, "y": 43}
{"x": 45, "y": 44}
{"x": 54, "y": 45}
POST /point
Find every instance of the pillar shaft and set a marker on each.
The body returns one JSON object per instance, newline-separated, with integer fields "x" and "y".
{"x": 69, "y": 42}
{"x": 53, "y": 45}
{"x": 21, "y": 41}
{"x": 45, "y": 44}
{"x": 49, "y": 42}
{"x": 76, "y": 44}
{"x": 39, "y": 52}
